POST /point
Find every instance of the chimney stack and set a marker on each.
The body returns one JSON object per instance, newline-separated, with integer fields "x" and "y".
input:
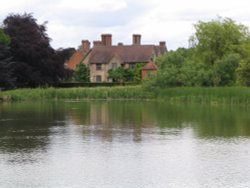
{"x": 162, "y": 44}
{"x": 106, "y": 39}
{"x": 136, "y": 39}
{"x": 85, "y": 45}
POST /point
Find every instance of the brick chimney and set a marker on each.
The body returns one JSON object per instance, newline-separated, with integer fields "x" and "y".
{"x": 136, "y": 39}
{"x": 85, "y": 45}
{"x": 162, "y": 44}
{"x": 106, "y": 39}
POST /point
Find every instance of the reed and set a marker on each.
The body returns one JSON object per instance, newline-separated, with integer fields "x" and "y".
{"x": 199, "y": 95}
{"x": 206, "y": 95}
{"x": 119, "y": 92}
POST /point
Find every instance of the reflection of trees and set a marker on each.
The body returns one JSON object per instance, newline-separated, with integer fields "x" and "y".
{"x": 26, "y": 126}
{"x": 121, "y": 117}
{"x": 223, "y": 122}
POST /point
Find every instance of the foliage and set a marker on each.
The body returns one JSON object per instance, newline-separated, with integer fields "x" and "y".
{"x": 213, "y": 40}
{"x": 171, "y": 69}
{"x": 178, "y": 95}
{"x": 7, "y": 78}
{"x": 37, "y": 63}
{"x": 121, "y": 74}
{"x": 118, "y": 92}
{"x": 244, "y": 72}
{"x": 82, "y": 73}
{"x": 217, "y": 48}
{"x": 225, "y": 70}
{"x": 136, "y": 72}
{"x": 206, "y": 95}
{"x": 4, "y": 39}
{"x": 65, "y": 53}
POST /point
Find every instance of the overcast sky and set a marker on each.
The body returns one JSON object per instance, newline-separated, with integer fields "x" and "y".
{"x": 70, "y": 21}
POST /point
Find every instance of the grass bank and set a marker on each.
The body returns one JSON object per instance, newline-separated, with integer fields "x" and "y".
{"x": 119, "y": 92}
{"x": 200, "y": 95}
{"x": 206, "y": 95}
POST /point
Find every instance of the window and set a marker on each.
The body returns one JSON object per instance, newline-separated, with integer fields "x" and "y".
{"x": 114, "y": 65}
{"x": 98, "y": 66}
{"x": 98, "y": 78}
{"x": 132, "y": 65}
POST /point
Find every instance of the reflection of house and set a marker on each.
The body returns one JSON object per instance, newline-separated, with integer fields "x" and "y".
{"x": 104, "y": 56}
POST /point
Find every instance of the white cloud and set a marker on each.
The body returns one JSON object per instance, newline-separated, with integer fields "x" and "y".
{"x": 70, "y": 21}
{"x": 92, "y": 6}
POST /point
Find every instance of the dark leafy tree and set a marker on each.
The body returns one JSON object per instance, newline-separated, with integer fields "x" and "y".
{"x": 65, "y": 53}
{"x": 38, "y": 63}
{"x": 7, "y": 78}
{"x": 4, "y": 39}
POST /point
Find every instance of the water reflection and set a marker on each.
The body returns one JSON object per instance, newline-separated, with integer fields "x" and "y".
{"x": 28, "y": 126}
{"x": 25, "y": 130}
{"x": 123, "y": 144}
{"x": 206, "y": 121}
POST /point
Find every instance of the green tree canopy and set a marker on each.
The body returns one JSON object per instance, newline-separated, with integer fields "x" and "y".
{"x": 81, "y": 73}
{"x": 214, "y": 39}
{"x": 217, "y": 49}
{"x": 122, "y": 74}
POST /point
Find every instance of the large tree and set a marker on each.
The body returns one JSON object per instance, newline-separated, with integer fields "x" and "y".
{"x": 4, "y": 39}
{"x": 220, "y": 45}
{"x": 217, "y": 38}
{"x": 219, "y": 55}
{"x": 7, "y": 79}
{"x": 38, "y": 63}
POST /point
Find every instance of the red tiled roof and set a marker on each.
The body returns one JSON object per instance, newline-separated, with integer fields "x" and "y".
{"x": 76, "y": 58}
{"x": 150, "y": 66}
{"x": 127, "y": 53}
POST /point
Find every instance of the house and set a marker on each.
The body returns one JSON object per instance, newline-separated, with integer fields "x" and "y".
{"x": 104, "y": 55}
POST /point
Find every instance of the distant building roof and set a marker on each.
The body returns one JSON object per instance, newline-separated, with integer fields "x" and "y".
{"x": 75, "y": 59}
{"x": 103, "y": 51}
{"x": 127, "y": 53}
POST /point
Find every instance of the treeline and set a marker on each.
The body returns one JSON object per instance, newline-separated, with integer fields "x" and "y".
{"x": 219, "y": 55}
{"x": 26, "y": 57}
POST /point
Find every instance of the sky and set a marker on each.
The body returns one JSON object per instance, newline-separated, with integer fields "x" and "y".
{"x": 70, "y": 21}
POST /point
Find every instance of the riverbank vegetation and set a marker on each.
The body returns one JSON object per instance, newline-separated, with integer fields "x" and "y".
{"x": 119, "y": 92}
{"x": 196, "y": 95}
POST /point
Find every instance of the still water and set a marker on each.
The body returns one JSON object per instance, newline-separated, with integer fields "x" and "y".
{"x": 123, "y": 144}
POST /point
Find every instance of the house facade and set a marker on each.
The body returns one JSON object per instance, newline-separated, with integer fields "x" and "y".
{"x": 104, "y": 55}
